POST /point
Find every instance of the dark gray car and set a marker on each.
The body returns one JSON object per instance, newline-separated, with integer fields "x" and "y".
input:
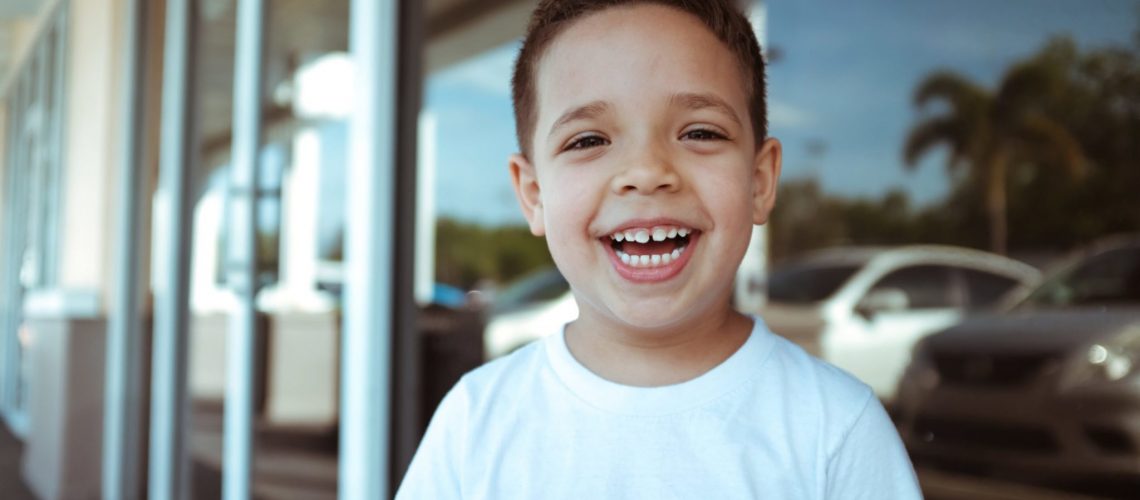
{"x": 1052, "y": 386}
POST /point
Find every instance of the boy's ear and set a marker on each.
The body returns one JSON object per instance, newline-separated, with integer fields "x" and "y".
{"x": 527, "y": 191}
{"x": 765, "y": 175}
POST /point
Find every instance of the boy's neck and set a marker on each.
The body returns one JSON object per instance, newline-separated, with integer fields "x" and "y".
{"x": 658, "y": 358}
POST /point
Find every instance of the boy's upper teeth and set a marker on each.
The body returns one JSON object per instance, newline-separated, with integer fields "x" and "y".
{"x": 655, "y": 233}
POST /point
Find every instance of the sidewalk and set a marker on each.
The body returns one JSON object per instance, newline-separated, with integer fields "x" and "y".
{"x": 289, "y": 464}
{"x": 295, "y": 464}
{"x": 11, "y": 484}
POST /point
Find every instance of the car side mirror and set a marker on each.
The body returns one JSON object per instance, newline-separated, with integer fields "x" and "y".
{"x": 882, "y": 300}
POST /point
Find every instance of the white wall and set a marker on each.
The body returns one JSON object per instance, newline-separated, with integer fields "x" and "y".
{"x": 92, "y": 128}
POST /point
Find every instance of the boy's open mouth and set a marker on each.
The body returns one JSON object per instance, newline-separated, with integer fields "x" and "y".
{"x": 656, "y": 246}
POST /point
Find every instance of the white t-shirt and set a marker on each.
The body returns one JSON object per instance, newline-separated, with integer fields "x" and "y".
{"x": 768, "y": 422}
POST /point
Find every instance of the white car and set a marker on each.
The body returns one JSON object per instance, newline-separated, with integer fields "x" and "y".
{"x": 536, "y": 306}
{"x": 864, "y": 309}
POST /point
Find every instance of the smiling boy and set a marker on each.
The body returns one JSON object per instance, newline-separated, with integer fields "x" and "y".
{"x": 645, "y": 162}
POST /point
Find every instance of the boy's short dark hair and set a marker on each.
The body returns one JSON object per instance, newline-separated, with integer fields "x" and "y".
{"x": 722, "y": 17}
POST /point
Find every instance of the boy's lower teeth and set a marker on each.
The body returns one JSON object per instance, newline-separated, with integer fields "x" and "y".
{"x": 650, "y": 260}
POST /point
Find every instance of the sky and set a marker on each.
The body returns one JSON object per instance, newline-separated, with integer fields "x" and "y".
{"x": 844, "y": 80}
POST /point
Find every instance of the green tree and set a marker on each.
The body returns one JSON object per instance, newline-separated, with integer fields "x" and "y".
{"x": 466, "y": 253}
{"x": 988, "y": 133}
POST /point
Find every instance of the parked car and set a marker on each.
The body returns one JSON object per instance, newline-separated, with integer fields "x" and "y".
{"x": 1051, "y": 387}
{"x": 536, "y": 306}
{"x": 863, "y": 309}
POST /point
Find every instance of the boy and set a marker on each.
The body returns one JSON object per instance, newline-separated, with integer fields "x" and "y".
{"x": 645, "y": 162}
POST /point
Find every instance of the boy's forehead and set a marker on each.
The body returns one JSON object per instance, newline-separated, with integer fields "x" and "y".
{"x": 623, "y": 56}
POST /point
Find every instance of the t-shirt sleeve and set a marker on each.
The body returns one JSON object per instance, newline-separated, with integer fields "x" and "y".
{"x": 871, "y": 461}
{"x": 435, "y": 469}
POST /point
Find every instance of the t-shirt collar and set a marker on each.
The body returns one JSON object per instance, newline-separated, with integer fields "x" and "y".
{"x": 610, "y": 396}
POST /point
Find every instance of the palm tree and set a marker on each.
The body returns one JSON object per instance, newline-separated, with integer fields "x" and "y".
{"x": 989, "y": 132}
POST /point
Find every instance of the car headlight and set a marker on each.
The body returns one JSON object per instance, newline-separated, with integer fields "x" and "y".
{"x": 1112, "y": 360}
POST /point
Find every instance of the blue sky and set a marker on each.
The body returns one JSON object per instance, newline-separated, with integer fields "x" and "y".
{"x": 844, "y": 79}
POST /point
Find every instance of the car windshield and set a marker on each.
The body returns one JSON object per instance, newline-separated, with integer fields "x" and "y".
{"x": 805, "y": 283}
{"x": 1107, "y": 278}
{"x": 538, "y": 287}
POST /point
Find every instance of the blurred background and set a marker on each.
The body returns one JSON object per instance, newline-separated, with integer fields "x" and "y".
{"x": 958, "y": 225}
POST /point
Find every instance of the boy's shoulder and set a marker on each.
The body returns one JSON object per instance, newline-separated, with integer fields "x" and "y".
{"x": 504, "y": 377}
{"x": 527, "y": 357}
{"x": 816, "y": 381}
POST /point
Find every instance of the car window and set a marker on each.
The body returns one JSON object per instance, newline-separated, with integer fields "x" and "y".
{"x": 1110, "y": 277}
{"x": 984, "y": 288}
{"x": 807, "y": 283}
{"x": 926, "y": 286}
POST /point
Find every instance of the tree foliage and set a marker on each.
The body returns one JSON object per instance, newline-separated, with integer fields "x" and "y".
{"x": 467, "y": 253}
{"x": 1062, "y": 131}
{"x": 992, "y": 132}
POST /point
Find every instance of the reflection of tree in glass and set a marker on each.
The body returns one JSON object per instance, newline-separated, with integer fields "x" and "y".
{"x": 467, "y": 253}
{"x": 991, "y": 132}
{"x": 1093, "y": 96}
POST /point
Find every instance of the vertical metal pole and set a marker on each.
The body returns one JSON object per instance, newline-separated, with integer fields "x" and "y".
{"x": 122, "y": 397}
{"x": 407, "y": 395}
{"x": 17, "y": 245}
{"x": 57, "y": 147}
{"x": 8, "y": 251}
{"x": 241, "y": 262}
{"x": 366, "y": 350}
{"x": 169, "y": 464}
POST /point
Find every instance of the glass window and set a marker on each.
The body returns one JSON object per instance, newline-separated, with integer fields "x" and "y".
{"x": 926, "y": 287}
{"x": 808, "y": 283}
{"x": 1110, "y": 277}
{"x": 984, "y": 289}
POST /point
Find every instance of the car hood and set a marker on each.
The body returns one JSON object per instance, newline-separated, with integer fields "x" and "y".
{"x": 1048, "y": 330}
{"x": 793, "y": 317}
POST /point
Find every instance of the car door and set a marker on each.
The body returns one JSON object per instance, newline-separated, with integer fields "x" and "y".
{"x": 877, "y": 347}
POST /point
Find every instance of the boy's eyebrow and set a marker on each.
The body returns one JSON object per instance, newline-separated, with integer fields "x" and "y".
{"x": 583, "y": 112}
{"x": 694, "y": 101}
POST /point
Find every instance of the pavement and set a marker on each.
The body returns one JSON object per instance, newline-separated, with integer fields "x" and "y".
{"x": 290, "y": 464}
{"x": 11, "y": 485}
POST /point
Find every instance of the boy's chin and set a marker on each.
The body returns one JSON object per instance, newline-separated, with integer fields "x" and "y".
{"x": 650, "y": 319}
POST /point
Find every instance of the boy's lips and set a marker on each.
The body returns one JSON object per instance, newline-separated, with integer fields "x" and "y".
{"x": 658, "y": 258}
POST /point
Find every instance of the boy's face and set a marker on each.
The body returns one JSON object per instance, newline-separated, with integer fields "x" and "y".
{"x": 643, "y": 127}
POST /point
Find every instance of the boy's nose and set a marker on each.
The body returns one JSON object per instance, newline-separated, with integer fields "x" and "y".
{"x": 647, "y": 174}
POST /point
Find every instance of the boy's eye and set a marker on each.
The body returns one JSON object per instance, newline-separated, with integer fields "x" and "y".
{"x": 586, "y": 142}
{"x": 702, "y": 134}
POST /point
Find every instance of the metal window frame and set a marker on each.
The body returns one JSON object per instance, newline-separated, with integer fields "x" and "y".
{"x": 33, "y": 179}
{"x": 124, "y": 396}
{"x": 380, "y": 350}
{"x": 169, "y": 466}
{"x": 242, "y": 255}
